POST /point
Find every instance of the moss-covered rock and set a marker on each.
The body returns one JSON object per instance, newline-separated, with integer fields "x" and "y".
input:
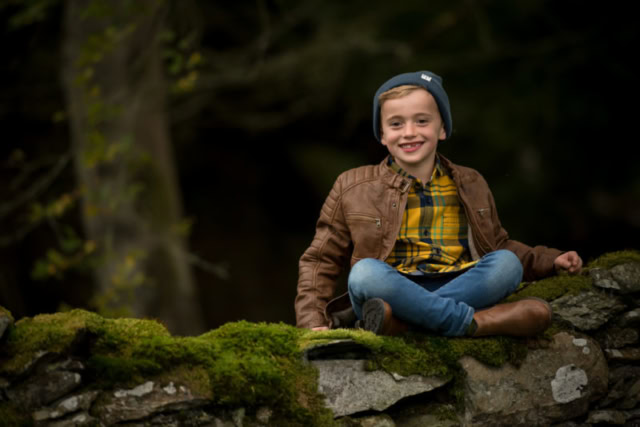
{"x": 239, "y": 364}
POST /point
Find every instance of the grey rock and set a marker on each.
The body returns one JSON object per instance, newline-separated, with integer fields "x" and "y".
{"x": 349, "y": 388}
{"x": 80, "y": 419}
{"x": 610, "y": 417}
{"x": 429, "y": 414}
{"x": 44, "y": 388}
{"x": 627, "y": 276}
{"x": 238, "y": 416}
{"x": 623, "y": 354}
{"x": 263, "y": 415}
{"x": 551, "y": 385}
{"x": 66, "y": 364}
{"x": 588, "y": 310}
{"x": 377, "y": 421}
{"x": 603, "y": 279}
{"x": 617, "y": 337}
{"x": 145, "y": 400}
{"x": 624, "y": 388}
{"x": 188, "y": 418}
{"x": 71, "y": 404}
{"x": 630, "y": 319}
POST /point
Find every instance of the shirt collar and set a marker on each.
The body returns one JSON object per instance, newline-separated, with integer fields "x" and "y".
{"x": 438, "y": 170}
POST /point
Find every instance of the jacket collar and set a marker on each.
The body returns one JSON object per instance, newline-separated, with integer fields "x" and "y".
{"x": 393, "y": 179}
{"x": 403, "y": 183}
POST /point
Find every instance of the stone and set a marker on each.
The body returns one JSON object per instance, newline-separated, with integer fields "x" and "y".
{"x": 630, "y": 319}
{"x": 602, "y": 278}
{"x": 617, "y": 337}
{"x": 623, "y": 354}
{"x": 568, "y": 383}
{"x": 188, "y": 418}
{"x": 587, "y": 311}
{"x": 42, "y": 389}
{"x": 66, "y": 406}
{"x": 624, "y": 388}
{"x": 66, "y": 364}
{"x": 263, "y": 415}
{"x": 376, "y": 421}
{"x": 350, "y": 389}
{"x": 551, "y": 385}
{"x": 80, "y": 419}
{"x": 147, "y": 399}
{"x": 426, "y": 414}
{"x": 627, "y": 276}
{"x": 609, "y": 417}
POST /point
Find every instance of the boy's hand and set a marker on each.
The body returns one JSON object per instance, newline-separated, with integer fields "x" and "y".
{"x": 320, "y": 328}
{"x": 569, "y": 262}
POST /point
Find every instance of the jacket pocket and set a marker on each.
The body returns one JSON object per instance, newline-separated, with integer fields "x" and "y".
{"x": 483, "y": 218}
{"x": 366, "y": 235}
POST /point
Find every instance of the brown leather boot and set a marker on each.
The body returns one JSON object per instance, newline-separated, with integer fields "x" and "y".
{"x": 525, "y": 318}
{"x": 378, "y": 318}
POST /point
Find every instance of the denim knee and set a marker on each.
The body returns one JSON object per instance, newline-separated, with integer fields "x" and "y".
{"x": 372, "y": 278}
{"x": 363, "y": 272}
{"x": 509, "y": 267}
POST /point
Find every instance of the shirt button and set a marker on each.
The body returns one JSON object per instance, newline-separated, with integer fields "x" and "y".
{"x": 394, "y": 205}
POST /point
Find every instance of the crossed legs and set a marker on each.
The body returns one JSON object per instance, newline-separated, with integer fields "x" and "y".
{"x": 445, "y": 304}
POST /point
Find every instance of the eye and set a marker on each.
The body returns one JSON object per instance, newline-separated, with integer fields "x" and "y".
{"x": 395, "y": 123}
{"x": 422, "y": 121}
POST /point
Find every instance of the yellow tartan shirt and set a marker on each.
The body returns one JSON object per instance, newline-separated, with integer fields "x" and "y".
{"x": 433, "y": 235}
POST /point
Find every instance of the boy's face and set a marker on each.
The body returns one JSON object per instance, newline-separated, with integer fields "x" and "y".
{"x": 411, "y": 128}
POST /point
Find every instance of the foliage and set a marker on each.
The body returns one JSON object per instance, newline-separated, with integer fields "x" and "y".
{"x": 29, "y": 11}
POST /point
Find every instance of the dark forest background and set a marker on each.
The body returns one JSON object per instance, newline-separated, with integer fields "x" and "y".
{"x": 262, "y": 104}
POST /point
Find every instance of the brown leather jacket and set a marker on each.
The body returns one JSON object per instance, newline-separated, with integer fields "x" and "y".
{"x": 361, "y": 218}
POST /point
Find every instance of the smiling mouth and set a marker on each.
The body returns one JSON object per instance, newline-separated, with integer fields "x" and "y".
{"x": 410, "y": 146}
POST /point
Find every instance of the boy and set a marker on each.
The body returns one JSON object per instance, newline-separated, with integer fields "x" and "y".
{"x": 421, "y": 234}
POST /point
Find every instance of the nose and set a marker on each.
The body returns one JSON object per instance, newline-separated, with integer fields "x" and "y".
{"x": 409, "y": 129}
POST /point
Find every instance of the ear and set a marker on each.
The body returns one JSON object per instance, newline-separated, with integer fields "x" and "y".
{"x": 382, "y": 137}
{"x": 442, "y": 135}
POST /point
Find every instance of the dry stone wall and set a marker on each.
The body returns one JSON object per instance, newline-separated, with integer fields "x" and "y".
{"x": 585, "y": 372}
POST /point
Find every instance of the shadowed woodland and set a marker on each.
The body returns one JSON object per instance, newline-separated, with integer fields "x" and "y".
{"x": 169, "y": 159}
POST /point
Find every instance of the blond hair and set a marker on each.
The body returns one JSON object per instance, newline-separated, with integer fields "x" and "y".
{"x": 397, "y": 92}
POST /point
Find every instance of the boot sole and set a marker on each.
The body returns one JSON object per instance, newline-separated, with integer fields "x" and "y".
{"x": 373, "y": 315}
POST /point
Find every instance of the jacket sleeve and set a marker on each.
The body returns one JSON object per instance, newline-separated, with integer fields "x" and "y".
{"x": 537, "y": 262}
{"x": 322, "y": 262}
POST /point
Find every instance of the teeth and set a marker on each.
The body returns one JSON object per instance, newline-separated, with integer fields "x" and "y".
{"x": 413, "y": 145}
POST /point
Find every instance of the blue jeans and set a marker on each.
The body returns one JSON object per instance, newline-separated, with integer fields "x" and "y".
{"x": 444, "y": 303}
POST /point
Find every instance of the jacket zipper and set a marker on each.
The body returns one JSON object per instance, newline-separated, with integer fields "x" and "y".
{"x": 367, "y": 218}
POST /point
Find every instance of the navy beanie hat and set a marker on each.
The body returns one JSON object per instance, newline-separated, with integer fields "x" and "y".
{"x": 426, "y": 79}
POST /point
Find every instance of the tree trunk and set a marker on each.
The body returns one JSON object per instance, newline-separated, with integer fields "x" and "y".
{"x": 115, "y": 89}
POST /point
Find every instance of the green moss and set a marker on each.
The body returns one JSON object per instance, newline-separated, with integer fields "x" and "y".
{"x": 553, "y": 287}
{"x": 239, "y": 364}
{"x": 424, "y": 354}
{"x": 7, "y": 313}
{"x": 46, "y": 332}
{"x": 612, "y": 259}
